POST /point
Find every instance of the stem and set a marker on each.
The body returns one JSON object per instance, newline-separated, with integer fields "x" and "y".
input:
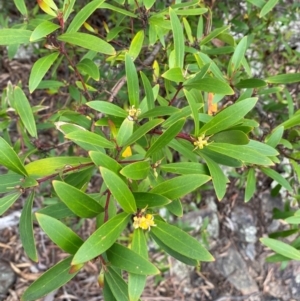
{"x": 180, "y": 86}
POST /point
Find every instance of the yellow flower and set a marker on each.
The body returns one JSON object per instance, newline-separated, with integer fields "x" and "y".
{"x": 133, "y": 113}
{"x": 144, "y": 222}
{"x": 201, "y": 142}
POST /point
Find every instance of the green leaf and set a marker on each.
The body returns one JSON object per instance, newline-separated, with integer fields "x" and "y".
{"x": 267, "y": 7}
{"x": 173, "y": 253}
{"x": 90, "y": 138}
{"x": 59, "y": 233}
{"x": 20, "y": 4}
{"x": 58, "y": 211}
{"x": 250, "y": 185}
{"x": 218, "y": 178}
{"x": 48, "y": 166}
{"x": 87, "y": 41}
{"x": 143, "y": 130}
{"x": 258, "y": 3}
{"x": 136, "y": 283}
{"x": 175, "y": 208}
{"x": 40, "y": 68}
{"x": 125, "y": 132}
{"x": 232, "y": 137}
{"x": 83, "y": 15}
{"x": 148, "y": 90}
{"x": 8, "y": 200}
{"x": 284, "y": 78}
{"x": 174, "y": 74}
{"x": 281, "y": 248}
{"x": 159, "y": 111}
{"x": 10, "y": 159}
{"x": 291, "y": 122}
{"x": 107, "y": 108}
{"x": 51, "y": 280}
{"x": 77, "y": 201}
{"x": 214, "y": 34}
{"x": 238, "y": 55}
{"x": 9, "y": 36}
{"x": 194, "y": 109}
{"x": 191, "y": 12}
{"x": 9, "y": 181}
{"x": 136, "y": 170}
{"x": 275, "y": 137}
{"x": 119, "y": 190}
{"x": 104, "y": 160}
{"x": 102, "y": 239}
{"x": 180, "y": 186}
{"x": 210, "y": 84}
{"x": 132, "y": 81}
{"x": 68, "y": 8}
{"x": 130, "y": 261}
{"x": 228, "y": 116}
{"x": 180, "y": 241}
{"x": 240, "y": 152}
{"x": 250, "y": 83}
{"x": 88, "y": 67}
{"x": 263, "y": 148}
{"x": 118, "y": 10}
{"x": 277, "y": 177}
{"x": 116, "y": 284}
{"x": 185, "y": 168}
{"x": 26, "y": 229}
{"x": 150, "y": 200}
{"x": 24, "y": 110}
{"x": 42, "y": 30}
{"x": 136, "y": 44}
{"x": 166, "y": 137}
{"x": 178, "y": 38}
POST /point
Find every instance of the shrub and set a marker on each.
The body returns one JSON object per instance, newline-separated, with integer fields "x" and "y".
{"x": 158, "y": 101}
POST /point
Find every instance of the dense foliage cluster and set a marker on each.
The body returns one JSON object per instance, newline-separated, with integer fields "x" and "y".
{"x": 154, "y": 100}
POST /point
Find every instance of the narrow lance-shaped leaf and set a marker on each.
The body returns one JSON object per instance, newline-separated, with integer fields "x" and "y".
{"x": 166, "y": 137}
{"x": 88, "y": 67}
{"x": 136, "y": 170}
{"x": 51, "y": 280}
{"x": 277, "y": 177}
{"x": 26, "y": 229}
{"x": 8, "y": 200}
{"x": 125, "y": 131}
{"x": 20, "y": 4}
{"x": 10, "y": 159}
{"x": 77, "y": 201}
{"x": 130, "y": 261}
{"x": 24, "y": 110}
{"x": 148, "y": 90}
{"x": 83, "y": 15}
{"x": 218, "y": 178}
{"x": 238, "y": 55}
{"x": 250, "y": 185}
{"x": 228, "y": 116}
{"x": 40, "y": 68}
{"x": 87, "y": 41}
{"x": 281, "y": 248}
{"x": 136, "y": 44}
{"x": 180, "y": 186}
{"x": 42, "y": 30}
{"x": 107, "y": 108}
{"x": 102, "y": 239}
{"x": 193, "y": 105}
{"x": 284, "y": 78}
{"x": 119, "y": 190}
{"x": 132, "y": 81}
{"x": 178, "y": 39}
{"x": 214, "y": 34}
{"x": 179, "y": 241}
{"x": 68, "y": 8}
{"x": 116, "y": 284}
{"x": 136, "y": 283}
{"x": 59, "y": 233}
{"x": 10, "y": 36}
{"x": 267, "y": 7}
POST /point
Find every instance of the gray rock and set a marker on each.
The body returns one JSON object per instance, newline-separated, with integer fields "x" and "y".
{"x": 7, "y": 278}
{"x": 233, "y": 267}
